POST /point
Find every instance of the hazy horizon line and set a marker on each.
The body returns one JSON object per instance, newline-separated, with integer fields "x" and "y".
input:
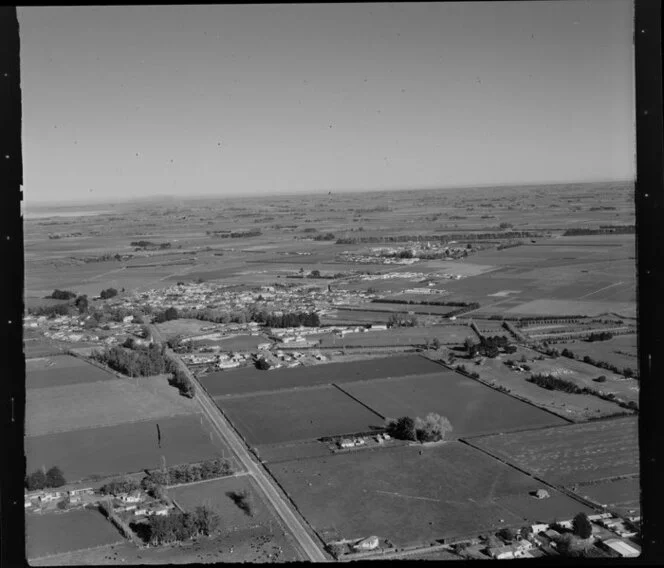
{"x": 173, "y": 196}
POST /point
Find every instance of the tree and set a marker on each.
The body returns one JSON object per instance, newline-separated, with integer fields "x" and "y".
{"x": 62, "y": 295}
{"x": 581, "y": 526}
{"x": 433, "y": 428}
{"x": 82, "y": 303}
{"x": 315, "y": 274}
{"x": 628, "y": 372}
{"x": 108, "y": 293}
{"x": 402, "y": 428}
{"x": 206, "y": 520}
{"x": 508, "y": 534}
{"x": 436, "y": 343}
{"x": 471, "y": 346}
{"x": 54, "y": 477}
{"x": 569, "y": 545}
{"x": 171, "y": 314}
{"x": 36, "y": 480}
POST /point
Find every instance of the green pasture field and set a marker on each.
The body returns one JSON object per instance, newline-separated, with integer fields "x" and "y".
{"x": 214, "y": 494}
{"x": 570, "y": 454}
{"x": 583, "y": 374}
{"x": 125, "y": 448}
{"x": 183, "y": 327}
{"x": 250, "y": 379}
{"x": 619, "y": 351}
{"x": 105, "y": 403}
{"x": 575, "y": 407}
{"x": 273, "y": 453}
{"x": 237, "y": 343}
{"x": 414, "y": 495}
{"x": 446, "y": 334}
{"x": 305, "y": 414}
{"x": 471, "y": 407}
{"x": 354, "y": 317}
{"x": 54, "y": 533}
{"x": 62, "y": 370}
{"x": 545, "y": 307}
{"x": 621, "y": 495}
{"x": 40, "y": 347}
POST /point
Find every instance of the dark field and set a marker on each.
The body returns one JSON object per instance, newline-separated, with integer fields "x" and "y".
{"x": 411, "y": 498}
{"x": 622, "y": 495}
{"x": 470, "y": 406}
{"x": 124, "y": 448}
{"x": 55, "y": 533}
{"x": 250, "y": 379}
{"x": 571, "y": 454}
{"x": 297, "y": 415}
{"x": 66, "y": 370}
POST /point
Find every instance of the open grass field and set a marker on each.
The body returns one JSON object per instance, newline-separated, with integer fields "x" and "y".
{"x": 237, "y": 343}
{"x": 104, "y": 403}
{"x": 544, "y": 307}
{"x": 292, "y": 451}
{"x": 620, "y": 351}
{"x": 40, "y": 347}
{"x": 62, "y": 370}
{"x": 571, "y": 454}
{"x": 250, "y": 379}
{"x": 575, "y": 407}
{"x": 54, "y": 533}
{"x": 413, "y": 494}
{"x": 183, "y": 327}
{"x": 470, "y": 406}
{"x": 217, "y": 495}
{"x": 621, "y": 495}
{"x": 446, "y": 334}
{"x": 124, "y": 448}
{"x": 297, "y": 415}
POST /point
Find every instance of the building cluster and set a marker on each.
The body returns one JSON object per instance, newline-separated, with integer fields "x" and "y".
{"x": 407, "y": 254}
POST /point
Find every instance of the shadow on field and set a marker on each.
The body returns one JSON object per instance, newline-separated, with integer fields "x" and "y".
{"x": 244, "y": 500}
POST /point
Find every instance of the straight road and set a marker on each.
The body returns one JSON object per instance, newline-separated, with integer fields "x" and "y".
{"x": 225, "y": 430}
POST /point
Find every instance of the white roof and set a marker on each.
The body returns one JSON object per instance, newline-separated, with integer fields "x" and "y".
{"x": 622, "y": 547}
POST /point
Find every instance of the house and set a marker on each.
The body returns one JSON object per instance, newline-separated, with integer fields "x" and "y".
{"x": 539, "y": 527}
{"x": 501, "y": 552}
{"x": 622, "y": 548}
{"x": 84, "y": 491}
{"x": 142, "y": 511}
{"x": 359, "y": 441}
{"x": 161, "y": 511}
{"x": 369, "y": 543}
{"x": 73, "y": 499}
{"x": 50, "y": 496}
{"x": 27, "y": 503}
{"x": 346, "y": 443}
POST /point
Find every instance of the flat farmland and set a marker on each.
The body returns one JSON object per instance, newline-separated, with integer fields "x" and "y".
{"x": 124, "y": 448}
{"x": 573, "y": 307}
{"x": 351, "y": 317}
{"x": 622, "y": 495}
{"x": 571, "y": 454}
{"x": 619, "y": 351}
{"x": 62, "y": 370}
{"x": 184, "y": 327}
{"x": 412, "y": 494}
{"x": 576, "y": 407}
{"x": 297, "y": 415}
{"x": 105, "y": 403}
{"x": 415, "y": 307}
{"x": 40, "y": 347}
{"x": 470, "y": 406}
{"x": 54, "y": 533}
{"x": 237, "y": 343}
{"x": 446, "y": 334}
{"x": 292, "y": 451}
{"x": 250, "y": 379}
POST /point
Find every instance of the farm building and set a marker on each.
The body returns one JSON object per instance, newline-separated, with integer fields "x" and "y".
{"x": 369, "y": 543}
{"x": 539, "y": 527}
{"x": 622, "y": 548}
{"x": 133, "y": 497}
{"x": 346, "y": 443}
{"x": 542, "y": 494}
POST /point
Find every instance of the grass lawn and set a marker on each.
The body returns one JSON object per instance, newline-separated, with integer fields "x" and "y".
{"x": 250, "y": 379}
{"x": 104, "y": 403}
{"x": 470, "y": 406}
{"x": 571, "y": 454}
{"x": 622, "y": 495}
{"x": 62, "y": 370}
{"x": 297, "y": 415}
{"x": 53, "y": 533}
{"x": 124, "y": 448}
{"x": 411, "y": 495}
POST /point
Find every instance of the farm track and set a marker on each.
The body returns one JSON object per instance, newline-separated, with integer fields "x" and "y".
{"x": 225, "y": 430}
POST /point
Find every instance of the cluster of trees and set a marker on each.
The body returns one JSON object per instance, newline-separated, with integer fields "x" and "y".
{"x": 108, "y": 293}
{"x": 235, "y": 234}
{"x": 188, "y": 473}
{"x": 62, "y": 295}
{"x": 41, "y": 479}
{"x": 178, "y": 526}
{"x": 167, "y": 315}
{"x": 402, "y": 320}
{"x": 325, "y": 237}
{"x": 599, "y": 336}
{"x": 121, "y": 485}
{"x": 150, "y": 244}
{"x": 551, "y": 382}
{"x": 181, "y": 381}
{"x": 430, "y": 429}
{"x": 489, "y": 346}
{"x": 140, "y": 362}
{"x": 311, "y": 319}
{"x": 463, "y": 369}
{"x": 51, "y": 311}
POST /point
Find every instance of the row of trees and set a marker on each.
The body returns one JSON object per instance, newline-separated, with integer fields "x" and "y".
{"x": 430, "y": 429}
{"x": 626, "y": 372}
{"x": 108, "y": 293}
{"x": 599, "y": 336}
{"x": 439, "y": 238}
{"x": 41, "y": 479}
{"x": 603, "y": 230}
{"x": 181, "y": 381}
{"x": 454, "y": 304}
{"x": 139, "y": 362}
{"x": 402, "y": 320}
{"x": 188, "y": 473}
{"x": 291, "y": 319}
{"x": 62, "y": 295}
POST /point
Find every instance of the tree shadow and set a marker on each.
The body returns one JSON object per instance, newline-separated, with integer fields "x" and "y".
{"x": 243, "y": 500}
